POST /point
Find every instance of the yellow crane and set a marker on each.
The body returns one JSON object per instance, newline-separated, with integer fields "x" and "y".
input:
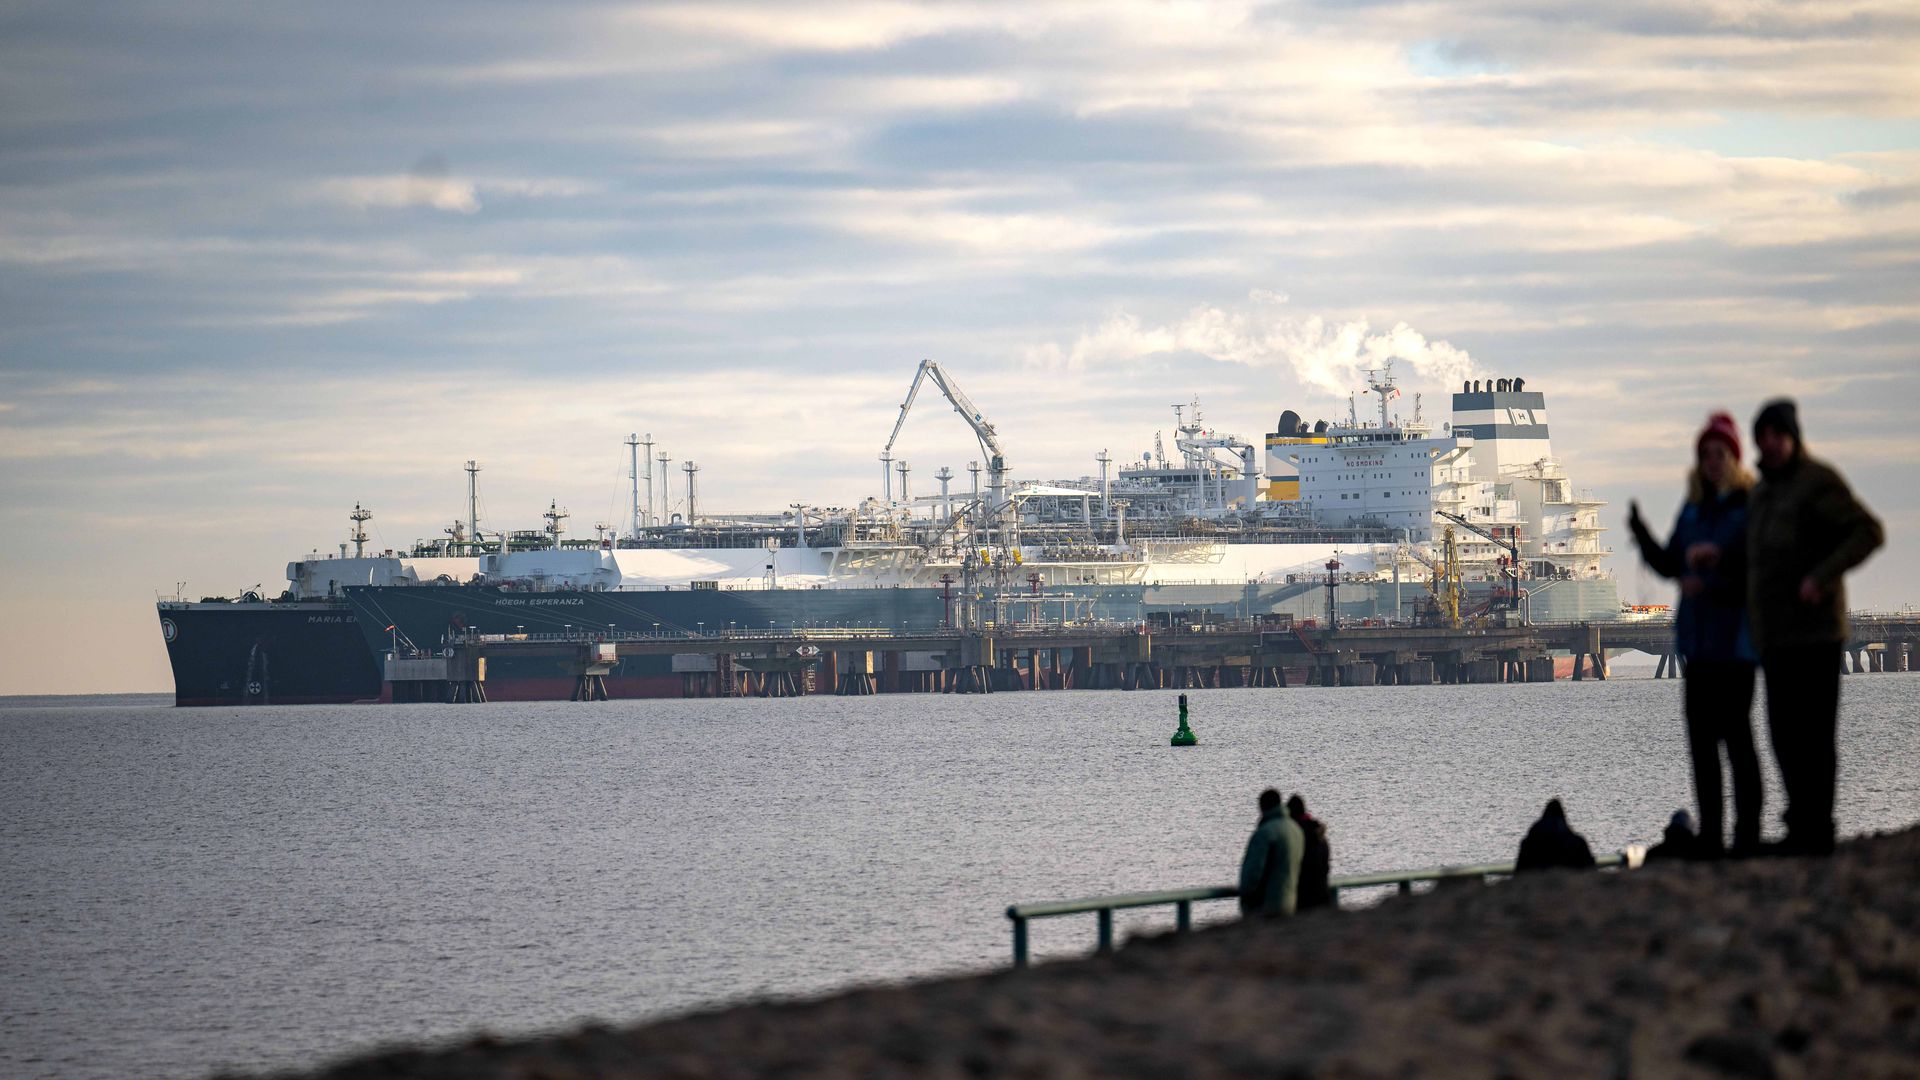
{"x": 1444, "y": 581}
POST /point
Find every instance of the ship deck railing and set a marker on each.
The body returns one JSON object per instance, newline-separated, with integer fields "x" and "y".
{"x": 586, "y": 635}
{"x": 1182, "y": 900}
{"x": 1010, "y": 630}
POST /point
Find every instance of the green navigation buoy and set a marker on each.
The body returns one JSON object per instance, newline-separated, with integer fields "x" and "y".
{"x": 1185, "y": 736}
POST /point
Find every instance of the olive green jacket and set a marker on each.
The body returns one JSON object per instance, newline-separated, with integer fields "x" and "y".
{"x": 1803, "y": 521}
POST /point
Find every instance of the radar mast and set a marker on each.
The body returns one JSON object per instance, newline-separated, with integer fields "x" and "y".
{"x": 359, "y": 517}
{"x": 1380, "y": 381}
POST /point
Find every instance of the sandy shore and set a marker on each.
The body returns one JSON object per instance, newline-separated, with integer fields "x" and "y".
{"x": 1777, "y": 967}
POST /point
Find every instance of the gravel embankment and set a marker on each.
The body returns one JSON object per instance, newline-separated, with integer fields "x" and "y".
{"x": 1774, "y": 967}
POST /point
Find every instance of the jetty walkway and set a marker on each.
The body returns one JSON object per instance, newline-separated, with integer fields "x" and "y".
{"x": 1261, "y": 653}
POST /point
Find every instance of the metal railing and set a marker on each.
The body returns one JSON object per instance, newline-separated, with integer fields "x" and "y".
{"x": 1184, "y": 899}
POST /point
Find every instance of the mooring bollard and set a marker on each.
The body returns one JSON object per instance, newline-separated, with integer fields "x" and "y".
{"x": 1185, "y": 736}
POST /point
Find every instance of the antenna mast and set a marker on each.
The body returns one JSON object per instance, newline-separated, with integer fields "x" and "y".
{"x": 555, "y": 516}
{"x": 359, "y": 517}
{"x": 1380, "y": 381}
{"x": 648, "y": 518}
{"x": 473, "y": 502}
{"x": 633, "y": 473}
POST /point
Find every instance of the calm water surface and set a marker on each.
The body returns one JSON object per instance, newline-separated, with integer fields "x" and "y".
{"x": 192, "y": 890}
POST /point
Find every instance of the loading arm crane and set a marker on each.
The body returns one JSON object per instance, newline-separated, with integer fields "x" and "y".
{"x": 1513, "y": 554}
{"x": 1413, "y": 553}
{"x": 982, "y": 430}
{"x": 1444, "y": 580}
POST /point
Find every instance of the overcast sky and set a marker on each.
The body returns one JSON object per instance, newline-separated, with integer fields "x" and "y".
{"x": 261, "y": 261}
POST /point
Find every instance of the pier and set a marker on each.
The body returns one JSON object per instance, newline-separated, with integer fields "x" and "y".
{"x": 857, "y": 662}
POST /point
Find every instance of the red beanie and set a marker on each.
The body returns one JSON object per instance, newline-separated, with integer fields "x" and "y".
{"x": 1720, "y": 426}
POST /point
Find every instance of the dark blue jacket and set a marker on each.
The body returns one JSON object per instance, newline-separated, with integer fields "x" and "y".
{"x": 1711, "y": 626}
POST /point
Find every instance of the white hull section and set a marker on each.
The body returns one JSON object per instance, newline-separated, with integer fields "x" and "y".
{"x": 1149, "y": 562}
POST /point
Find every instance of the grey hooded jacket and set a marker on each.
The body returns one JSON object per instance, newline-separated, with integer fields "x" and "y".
{"x": 1270, "y": 871}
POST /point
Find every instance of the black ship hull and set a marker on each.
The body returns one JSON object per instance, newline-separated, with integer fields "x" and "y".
{"x": 259, "y": 653}
{"x": 333, "y": 651}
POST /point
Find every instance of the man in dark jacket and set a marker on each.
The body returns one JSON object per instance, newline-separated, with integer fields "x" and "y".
{"x": 1315, "y": 858}
{"x": 1805, "y": 530}
{"x": 1270, "y": 870}
{"x": 1552, "y": 843}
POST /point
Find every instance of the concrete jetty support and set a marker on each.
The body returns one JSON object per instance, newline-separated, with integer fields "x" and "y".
{"x": 856, "y": 676}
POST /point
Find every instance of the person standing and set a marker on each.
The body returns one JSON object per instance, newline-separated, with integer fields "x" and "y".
{"x": 1315, "y": 857}
{"x": 1270, "y": 870}
{"x": 1805, "y": 530}
{"x": 1706, "y": 552}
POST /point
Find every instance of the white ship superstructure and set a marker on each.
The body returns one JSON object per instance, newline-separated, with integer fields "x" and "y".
{"x": 1492, "y": 466}
{"x": 1387, "y": 473}
{"x": 1506, "y": 425}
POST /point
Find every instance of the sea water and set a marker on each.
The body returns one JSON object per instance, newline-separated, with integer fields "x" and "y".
{"x": 191, "y": 890}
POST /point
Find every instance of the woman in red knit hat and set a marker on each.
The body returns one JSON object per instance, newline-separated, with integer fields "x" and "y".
{"x": 1707, "y": 554}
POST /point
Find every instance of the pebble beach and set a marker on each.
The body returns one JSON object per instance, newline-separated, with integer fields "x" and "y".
{"x": 1782, "y": 967}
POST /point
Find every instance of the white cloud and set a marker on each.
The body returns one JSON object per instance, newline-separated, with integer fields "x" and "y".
{"x": 394, "y": 192}
{"x": 892, "y": 94}
{"x": 841, "y": 27}
{"x": 1325, "y": 356}
{"x": 744, "y": 139}
{"x": 539, "y": 187}
{"x": 999, "y": 234}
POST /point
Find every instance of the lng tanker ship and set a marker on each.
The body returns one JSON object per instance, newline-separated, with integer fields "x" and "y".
{"x": 1203, "y": 532}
